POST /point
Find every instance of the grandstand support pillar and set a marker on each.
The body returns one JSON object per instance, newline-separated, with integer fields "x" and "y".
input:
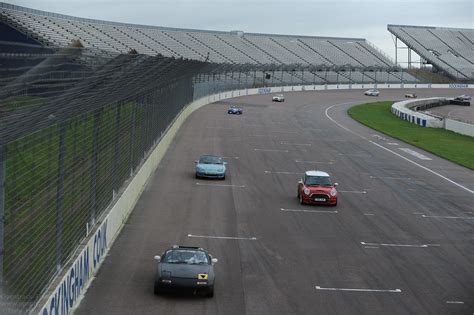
{"x": 409, "y": 58}
{"x": 240, "y": 82}
{"x": 2, "y": 209}
{"x": 396, "y": 50}
{"x": 273, "y": 77}
{"x": 60, "y": 194}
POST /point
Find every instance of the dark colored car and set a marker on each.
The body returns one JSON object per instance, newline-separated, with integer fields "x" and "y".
{"x": 183, "y": 268}
{"x": 317, "y": 188}
{"x": 234, "y": 110}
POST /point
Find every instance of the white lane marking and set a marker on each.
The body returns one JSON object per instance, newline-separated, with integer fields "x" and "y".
{"x": 370, "y": 247}
{"x": 454, "y": 302}
{"x": 400, "y": 245}
{"x": 416, "y": 154}
{"x": 224, "y": 237}
{"x": 368, "y": 214}
{"x": 354, "y": 154}
{"x": 303, "y": 210}
{"x": 301, "y": 144}
{"x": 285, "y": 173}
{"x": 359, "y": 290}
{"x": 446, "y": 217}
{"x": 271, "y": 150}
{"x": 393, "y": 152}
{"x": 231, "y": 157}
{"x": 379, "y": 137}
{"x": 221, "y": 185}
{"x": 313, "y": 162}
{"x": 353, "y": 191}
{"x": 392, "y": 143}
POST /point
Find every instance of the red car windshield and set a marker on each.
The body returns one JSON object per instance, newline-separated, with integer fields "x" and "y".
{"x": 317, "y": 181}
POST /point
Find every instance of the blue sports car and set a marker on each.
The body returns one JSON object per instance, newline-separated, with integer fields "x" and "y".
{"x": 234, "y": 110}
{"x": 210, "y": 166}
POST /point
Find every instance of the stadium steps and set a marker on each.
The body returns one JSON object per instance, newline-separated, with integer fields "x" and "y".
{"x": 466, "y": 37}
{"x": 325, "y": 58}
{"x": 167, "y": 51}
{"x": 111, "y": 40}
{"x": 237, "y": 49}
{"x": 183, "y": 44}
{"x": 139, "y": 42}
{"x": 262, "y": 50}
{"x": 457, "y": 53}
{"x": 374, "y": 55}
{"x": 344, "y": 52}
{"x": 291, "y": 52}
{"x": 435, "y": 61}
{"x": 197, "y": 40}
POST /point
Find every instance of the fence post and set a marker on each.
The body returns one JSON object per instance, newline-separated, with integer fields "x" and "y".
{"x": 95, "y": 144}
{"x": 60, "y": 193}
{"x": 116, "y": 147}
{"x": 2, "y": 208}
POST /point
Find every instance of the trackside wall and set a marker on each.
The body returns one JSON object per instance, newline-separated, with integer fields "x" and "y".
{"x": 404, "y": 111}
{"x": 68, "y": 289}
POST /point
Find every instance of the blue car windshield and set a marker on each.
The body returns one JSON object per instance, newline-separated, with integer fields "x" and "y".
{"x": 186, "y": 256}
{"x": 318, "y": 181}
{"x": 209, "y": 159}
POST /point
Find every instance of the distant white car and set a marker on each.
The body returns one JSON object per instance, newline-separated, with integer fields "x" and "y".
{"x": 463, "y": 97}
{"x": 410, "y": 95}
{"x": 278, "y": 98}
{"x": 372, "y": 92}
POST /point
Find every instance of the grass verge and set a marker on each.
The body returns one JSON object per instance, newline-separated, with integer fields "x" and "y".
{"x": 444, "y": 143}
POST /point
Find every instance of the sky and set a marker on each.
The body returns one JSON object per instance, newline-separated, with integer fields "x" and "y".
{"x": 338, "y": 18}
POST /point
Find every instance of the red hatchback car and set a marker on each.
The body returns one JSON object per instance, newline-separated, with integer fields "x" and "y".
{"x": 317, "y": 188}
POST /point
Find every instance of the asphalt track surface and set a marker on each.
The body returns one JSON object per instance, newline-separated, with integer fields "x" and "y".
{"x": 401, "y": 241}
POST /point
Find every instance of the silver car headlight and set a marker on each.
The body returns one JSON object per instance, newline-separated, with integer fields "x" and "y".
{"x": 306, "y": 191}
{"x": 333, "y": 192}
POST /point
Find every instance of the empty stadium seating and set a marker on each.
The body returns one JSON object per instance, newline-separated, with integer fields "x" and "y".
{"x": 55, "y": 30}
{"x": 448, "y": 49}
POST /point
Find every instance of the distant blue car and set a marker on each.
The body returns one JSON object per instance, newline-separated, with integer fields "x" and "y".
{"x": 210, "y": 166}
{"x": 234, "y": 110}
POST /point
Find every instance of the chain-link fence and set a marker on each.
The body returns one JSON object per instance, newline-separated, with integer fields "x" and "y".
{"x": 76, "y": 123}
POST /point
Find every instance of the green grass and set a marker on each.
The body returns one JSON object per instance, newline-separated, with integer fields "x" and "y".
{"x": 446, "y": 144}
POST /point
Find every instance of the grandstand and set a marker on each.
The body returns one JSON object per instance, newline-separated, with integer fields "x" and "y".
{"x": 450, "y": 50}
{"x": 351, "y": 54}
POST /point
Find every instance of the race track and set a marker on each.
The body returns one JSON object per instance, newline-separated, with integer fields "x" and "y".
{"x": 400, "y": 240}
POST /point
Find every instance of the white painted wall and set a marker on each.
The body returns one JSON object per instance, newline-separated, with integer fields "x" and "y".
{"x": 67, "y": 290}
{"x": 459, "y": 127}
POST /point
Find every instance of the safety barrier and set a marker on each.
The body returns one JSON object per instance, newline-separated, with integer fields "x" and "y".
{"x": 409, "y": 110}
{"x": 66, "y": 292}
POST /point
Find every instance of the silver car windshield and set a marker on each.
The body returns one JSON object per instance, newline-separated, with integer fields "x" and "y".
{"x": 318, "y": 181}
{"x": 209, "y": 159}
{"x": 186, "y": 256}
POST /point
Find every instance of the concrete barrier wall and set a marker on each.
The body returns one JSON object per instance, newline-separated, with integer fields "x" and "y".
{"x": 459, "y": 127}
{"x": 67, "y": 290}
{"x": 405, "y": 111}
